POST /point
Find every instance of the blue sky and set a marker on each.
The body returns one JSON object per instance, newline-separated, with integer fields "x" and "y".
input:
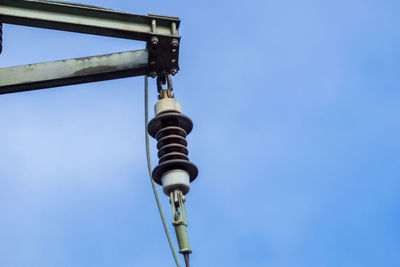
{"x": 296, "y": 108}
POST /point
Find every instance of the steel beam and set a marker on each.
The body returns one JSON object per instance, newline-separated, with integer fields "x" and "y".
{"x": 73, "y": 71}
{"x": 87, "y": 19}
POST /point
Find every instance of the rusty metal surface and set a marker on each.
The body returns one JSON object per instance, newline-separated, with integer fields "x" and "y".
{"x": 73, "y": 71}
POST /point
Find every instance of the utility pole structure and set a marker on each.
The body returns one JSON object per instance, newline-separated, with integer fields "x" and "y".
{"x": 159, "y": 32}
{"x": 160, "y": 59}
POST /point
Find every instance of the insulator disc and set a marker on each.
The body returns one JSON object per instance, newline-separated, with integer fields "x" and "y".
{"x": 172, "y": 148}
{"x": 185, "y": 165}
{"x": 170, "y": 119}
{"x": 169, "y": 139}
{"x": 170, "y": 130}
{"x": 173, "y": 155}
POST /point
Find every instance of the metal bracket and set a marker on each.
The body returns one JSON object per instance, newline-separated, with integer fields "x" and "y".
{"x": 163, "y": 50}
{"x": 73, "y": 71}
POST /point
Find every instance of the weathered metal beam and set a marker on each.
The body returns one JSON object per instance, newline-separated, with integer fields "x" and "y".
{"x": 73, "y": 71}
{"x": 86, "y": 19}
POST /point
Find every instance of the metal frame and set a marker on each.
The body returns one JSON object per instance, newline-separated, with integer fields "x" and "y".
{"x": 159, "y": 32}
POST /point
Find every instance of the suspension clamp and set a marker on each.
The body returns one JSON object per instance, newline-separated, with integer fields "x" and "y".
{"x": 180, "y": 221}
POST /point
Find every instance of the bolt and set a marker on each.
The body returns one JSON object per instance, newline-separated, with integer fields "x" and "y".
{"x": 154, "y": 42}
{"x": 174, "y": 43}
{"x": 174, "y": 71}
{"x": 173, "y": 60}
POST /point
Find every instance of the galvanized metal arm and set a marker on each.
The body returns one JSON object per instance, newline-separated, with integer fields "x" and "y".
{"x": 73, "y": 71}
{"x": 160, "y": 32}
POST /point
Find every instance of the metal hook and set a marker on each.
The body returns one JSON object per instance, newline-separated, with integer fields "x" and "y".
{"x": 162, "y": 80}
{"x": 180, "y": 221}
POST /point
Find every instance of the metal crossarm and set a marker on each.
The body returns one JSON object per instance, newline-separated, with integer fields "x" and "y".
{"x": 85, "y": 19}
{"x": 160, "y": 32}
{"x": 73, "y": 71}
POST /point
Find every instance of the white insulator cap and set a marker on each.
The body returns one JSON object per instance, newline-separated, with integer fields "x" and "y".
{"x": 167, "y": 104}
{"x": 175, "y": 179}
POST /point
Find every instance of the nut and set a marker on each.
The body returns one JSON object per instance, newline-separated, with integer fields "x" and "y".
{"x": 174, "y": 71}
{"x": 174, "y": 43}
{"x": 154, "y": 42}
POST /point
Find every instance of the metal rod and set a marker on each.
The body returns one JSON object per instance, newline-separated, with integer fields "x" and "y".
{"x": 73, "y": 71}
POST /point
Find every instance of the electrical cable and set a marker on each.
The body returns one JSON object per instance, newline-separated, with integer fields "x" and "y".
{"x": 186, "y": 255}
{"x": 153, "y": 185}
{"x": 1, "y": 37}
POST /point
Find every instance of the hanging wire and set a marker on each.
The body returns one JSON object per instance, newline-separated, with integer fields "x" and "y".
{"x": 1, "y": 37}
{"x": 153, "y": 185}
{"x": 186, "y": 255}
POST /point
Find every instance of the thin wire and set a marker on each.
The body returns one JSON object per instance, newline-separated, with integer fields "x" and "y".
{"x": 153, "y": 185}
{"x": 1, "y": 37}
